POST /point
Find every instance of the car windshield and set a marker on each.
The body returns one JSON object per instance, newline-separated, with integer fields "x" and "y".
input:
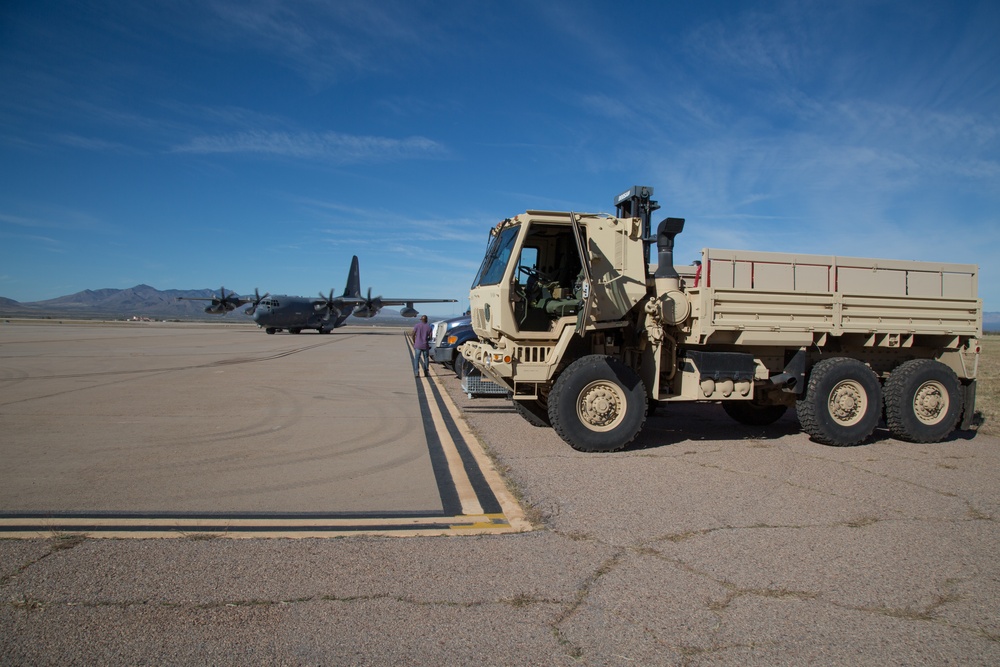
{"x": 491, "y": 272}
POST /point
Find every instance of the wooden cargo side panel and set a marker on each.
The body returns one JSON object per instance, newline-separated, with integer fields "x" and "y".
{"x": 890, "y": 282}
{"x": 734, "y": 309}
{"x": 924, "y": 284}
{"x": 786, "y": 293}
{"x": 863, "y": 314}
{"x": 768, "y": 271}
{"x": 956, "y": 285}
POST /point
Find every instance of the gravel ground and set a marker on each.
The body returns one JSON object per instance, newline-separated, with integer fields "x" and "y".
{"x": 707, "y": 543}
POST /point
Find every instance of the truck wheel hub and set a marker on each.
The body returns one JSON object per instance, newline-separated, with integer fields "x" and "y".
{"x": 600, "y": 406}
{"x": 848, "y": 402}
{"x": 930, "y": 403}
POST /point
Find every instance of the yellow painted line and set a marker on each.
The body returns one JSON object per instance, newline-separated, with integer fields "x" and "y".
{"x": 486, "y": 529}
{"x": 206, "y": 522}
{"x": 511, "y": 508}
{"x": 466, "y": 493}
{"x": 133, "y": 527}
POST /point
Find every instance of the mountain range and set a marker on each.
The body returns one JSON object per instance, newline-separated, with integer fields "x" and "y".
{"x": 140, "y": 301}
{"x": 146, "y": 301}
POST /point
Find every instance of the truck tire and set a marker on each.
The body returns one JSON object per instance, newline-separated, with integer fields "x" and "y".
{"x": 598, "y": 404}
{"x": 842, "y": 402}
{"x": 923, "y": 401}
{"x": 534, "y": 412}
{"x": 752, "y": 413}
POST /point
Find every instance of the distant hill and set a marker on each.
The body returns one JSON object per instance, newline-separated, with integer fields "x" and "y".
{"x": 145, "y": 301}
{"x": 140, "y": 301}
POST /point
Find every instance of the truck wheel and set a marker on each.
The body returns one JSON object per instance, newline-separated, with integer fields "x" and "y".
{"x": 842, "y": 402}
{"x": 923, "y": 401}
{"x": 598, "y": 404}
{"x": 534, "y": 412}
{"x": 752, "y": 413}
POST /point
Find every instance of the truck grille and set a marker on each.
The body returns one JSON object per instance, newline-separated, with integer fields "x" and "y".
{"x": 532, "y": 354}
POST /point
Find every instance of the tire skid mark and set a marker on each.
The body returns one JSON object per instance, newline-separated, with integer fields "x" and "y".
{"x": 325, "y": 480}
{"x": 384, "y": 431}
{"x": 275, "y": 420}
{"x": 212, "y": 364}
{"x": 11, "y": 376}
{"x": 150, "y": 372}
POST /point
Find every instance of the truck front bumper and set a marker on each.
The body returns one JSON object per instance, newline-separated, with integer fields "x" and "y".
{"x": 491, "y": 361}
{"x": 442, "y": 355}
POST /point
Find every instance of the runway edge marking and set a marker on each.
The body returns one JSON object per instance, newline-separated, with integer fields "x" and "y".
{"x": 466, "y": 493}
{"x": 512, "y": 509}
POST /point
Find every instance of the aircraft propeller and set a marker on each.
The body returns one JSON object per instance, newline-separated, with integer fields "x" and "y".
{"x": 223, "y": 303}
{"x": 257, "y": 298}
{"x": 370, "y": 307}
{"x": 327, "y": 304}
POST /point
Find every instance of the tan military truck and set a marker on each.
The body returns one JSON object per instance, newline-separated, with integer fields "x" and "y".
{"x": 588, "y": 335}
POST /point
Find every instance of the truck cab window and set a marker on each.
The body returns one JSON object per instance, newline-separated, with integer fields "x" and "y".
{"x": 526, "y": 264}
{"x": 492, "y": 269}
{"x": 546, "y": 279}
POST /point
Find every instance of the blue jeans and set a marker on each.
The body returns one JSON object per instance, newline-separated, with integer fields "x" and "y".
{"x": 417, "y": 356}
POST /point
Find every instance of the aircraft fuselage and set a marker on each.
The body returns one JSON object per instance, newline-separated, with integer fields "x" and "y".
{"x": 281, "y": 312}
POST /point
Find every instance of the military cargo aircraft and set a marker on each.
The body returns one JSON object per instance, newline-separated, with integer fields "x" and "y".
{"x": 294, "y": 314}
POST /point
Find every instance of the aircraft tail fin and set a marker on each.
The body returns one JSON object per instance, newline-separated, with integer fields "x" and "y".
{"x": 353, "y": 280}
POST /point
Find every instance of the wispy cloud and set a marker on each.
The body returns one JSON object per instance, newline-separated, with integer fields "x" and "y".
{"x": 53, "y": 244}
{"x": 327, "y": 41}
{"x": 92, "y": 143}
{"x": 57, "y": 218}
{"x": 326, "y": 146}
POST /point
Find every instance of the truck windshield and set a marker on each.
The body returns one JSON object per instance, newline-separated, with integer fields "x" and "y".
{"x": 495, "y": 262}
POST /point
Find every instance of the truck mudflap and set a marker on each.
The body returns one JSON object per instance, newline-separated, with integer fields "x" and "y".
{"x": 969, "y": 406}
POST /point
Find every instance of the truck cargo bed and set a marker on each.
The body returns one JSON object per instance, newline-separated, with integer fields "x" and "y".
{"x": 788, "y": 298}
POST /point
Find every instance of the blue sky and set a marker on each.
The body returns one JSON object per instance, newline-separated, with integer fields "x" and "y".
{"x": 256, "y": 143}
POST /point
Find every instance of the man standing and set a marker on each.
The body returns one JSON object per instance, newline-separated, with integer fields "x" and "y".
{"x": 421, "y": 336}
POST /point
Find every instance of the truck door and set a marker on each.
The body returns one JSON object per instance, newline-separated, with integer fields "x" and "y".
{"x": 587, "y": 293}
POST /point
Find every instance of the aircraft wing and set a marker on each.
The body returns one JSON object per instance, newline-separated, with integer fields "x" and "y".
{"x": 222, "y": 304}
{"x": 407, "y": 302}
{"x": 237, "y": 301}
{"x": 370, "y": 306}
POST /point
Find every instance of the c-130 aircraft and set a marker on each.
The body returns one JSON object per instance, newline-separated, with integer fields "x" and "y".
{"x": 281, "y": 312}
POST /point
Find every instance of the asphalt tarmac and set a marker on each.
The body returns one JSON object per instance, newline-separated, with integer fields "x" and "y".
{"x": 707, "y": 543}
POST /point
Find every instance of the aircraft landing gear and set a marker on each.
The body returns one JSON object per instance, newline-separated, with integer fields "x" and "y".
{"x": 270, "y": 330}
